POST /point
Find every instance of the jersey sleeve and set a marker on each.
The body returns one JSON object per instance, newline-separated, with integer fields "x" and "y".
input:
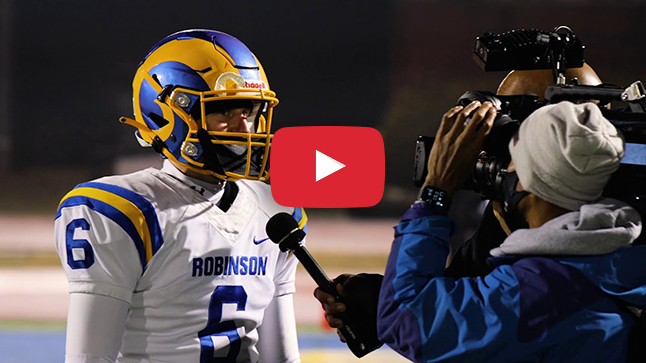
{"x": 287, "y": 263}
{"x": 277, "y": 337}
{"x": 92, "y": 311}
{"x": 105, "y": 235}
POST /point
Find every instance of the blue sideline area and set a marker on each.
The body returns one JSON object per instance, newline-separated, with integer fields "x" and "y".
{"x": 24, "y": 345}
{"x": 19, "y": 346}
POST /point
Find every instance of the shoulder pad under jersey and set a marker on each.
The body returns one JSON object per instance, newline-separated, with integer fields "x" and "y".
{"x": 134, "y": 213}
{"x": 267, "y": 203}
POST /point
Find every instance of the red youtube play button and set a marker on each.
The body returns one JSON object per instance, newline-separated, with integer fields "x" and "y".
{"x": 327, "y": 167}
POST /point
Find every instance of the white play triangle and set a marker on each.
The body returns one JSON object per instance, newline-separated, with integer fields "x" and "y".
{"x": 325, "y": 165}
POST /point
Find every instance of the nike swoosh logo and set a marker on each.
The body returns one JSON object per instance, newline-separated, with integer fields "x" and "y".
{"x": 259, "y": 241}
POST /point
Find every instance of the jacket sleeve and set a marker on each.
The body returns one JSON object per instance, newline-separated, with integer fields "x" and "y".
{"x": 428, "y": 317}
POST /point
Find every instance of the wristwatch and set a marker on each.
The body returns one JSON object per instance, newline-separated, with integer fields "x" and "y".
{"x": 436, "y": 198}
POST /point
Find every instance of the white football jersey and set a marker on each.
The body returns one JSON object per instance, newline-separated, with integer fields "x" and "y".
{"x": 197, "y": 279}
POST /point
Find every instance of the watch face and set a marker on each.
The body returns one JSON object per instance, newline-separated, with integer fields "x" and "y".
{"x": 435, "y": 196}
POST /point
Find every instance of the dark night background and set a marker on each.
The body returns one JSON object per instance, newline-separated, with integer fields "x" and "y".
{"x": 66, "y": 70}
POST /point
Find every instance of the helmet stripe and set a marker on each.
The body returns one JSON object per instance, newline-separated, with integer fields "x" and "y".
{"x": 244, "y": 60}
{"x": 177, "y": 73}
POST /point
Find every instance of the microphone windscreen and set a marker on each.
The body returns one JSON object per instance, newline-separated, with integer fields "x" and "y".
{"x": 279, "y": 226}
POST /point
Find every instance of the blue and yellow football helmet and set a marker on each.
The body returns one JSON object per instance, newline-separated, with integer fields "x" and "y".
{"x": 184, "y": 76}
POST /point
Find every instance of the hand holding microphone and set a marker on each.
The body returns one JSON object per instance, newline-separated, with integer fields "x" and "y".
{"x": 359, "y": 334}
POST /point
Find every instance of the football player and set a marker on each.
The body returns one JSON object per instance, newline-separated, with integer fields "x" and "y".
{"x": 174, "y": 265}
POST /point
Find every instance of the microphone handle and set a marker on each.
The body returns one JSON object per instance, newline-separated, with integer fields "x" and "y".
{"x": 313, "y": 268}
{"x": 356, "y": 343}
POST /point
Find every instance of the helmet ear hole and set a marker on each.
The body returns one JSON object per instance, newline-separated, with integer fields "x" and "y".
{"x": 158, "y": 120}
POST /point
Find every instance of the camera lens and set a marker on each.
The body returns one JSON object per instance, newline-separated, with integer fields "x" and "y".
{"x": 487, "y": 175}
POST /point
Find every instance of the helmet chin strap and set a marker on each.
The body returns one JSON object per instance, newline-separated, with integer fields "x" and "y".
{"x": 211, "y": 161}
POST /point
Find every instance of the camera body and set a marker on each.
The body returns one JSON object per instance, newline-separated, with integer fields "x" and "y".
{"x": 494, "y": 156}
{"x": 533, "y": 49}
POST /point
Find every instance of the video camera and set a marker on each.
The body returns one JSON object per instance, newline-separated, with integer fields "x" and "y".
{"x": 528, "y": 49}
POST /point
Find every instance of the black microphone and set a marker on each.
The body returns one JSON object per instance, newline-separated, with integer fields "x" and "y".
{"x": 283, "y": 230}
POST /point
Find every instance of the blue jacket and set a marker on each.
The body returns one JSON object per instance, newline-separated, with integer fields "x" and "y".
{"x": 529, "y": 309}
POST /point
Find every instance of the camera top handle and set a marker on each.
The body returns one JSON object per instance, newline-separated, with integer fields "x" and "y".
{"x": 633, "y": 94}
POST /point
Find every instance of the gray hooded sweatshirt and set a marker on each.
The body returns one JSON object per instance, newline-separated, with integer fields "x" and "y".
{"x": 595, "y": 229}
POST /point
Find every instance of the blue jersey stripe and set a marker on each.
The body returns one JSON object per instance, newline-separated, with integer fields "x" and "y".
{"x": 300, "y": 217}
{"x": 297, "y": 214}
{"x": 114, "y": 214}
{"x": 142, "y": 203}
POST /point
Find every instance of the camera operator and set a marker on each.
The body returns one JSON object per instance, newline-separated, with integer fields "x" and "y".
{"x": 553, "y": 294}
{"x": 573, "y": 291}
{"x": 470, "y": 259}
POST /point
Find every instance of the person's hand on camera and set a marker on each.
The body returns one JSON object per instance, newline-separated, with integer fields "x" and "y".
{"x": 457, "y": 144}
